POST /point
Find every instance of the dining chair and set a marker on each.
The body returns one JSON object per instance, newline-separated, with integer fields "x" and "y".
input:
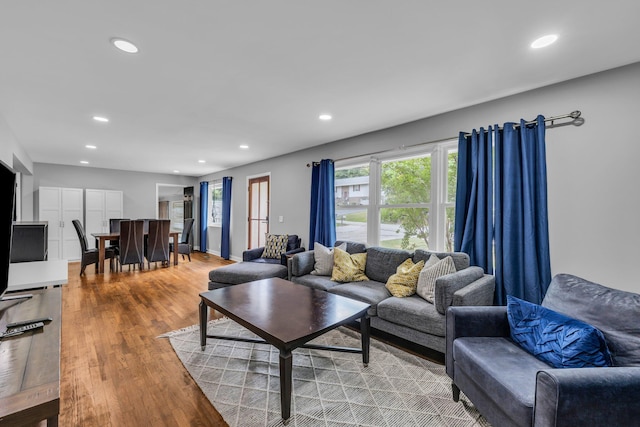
{"x": 184, "y": 246}
{"x": 157, "y": 244}
{"x": 114, "y": 227}
{"x": 90, "y": 256}
{"x": 132, "y": 244}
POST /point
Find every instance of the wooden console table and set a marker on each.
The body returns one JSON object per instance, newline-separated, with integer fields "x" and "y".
{"x": 30, "y": 363}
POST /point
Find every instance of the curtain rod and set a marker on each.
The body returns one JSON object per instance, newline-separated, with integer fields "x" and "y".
{"x": 574, "y": 115}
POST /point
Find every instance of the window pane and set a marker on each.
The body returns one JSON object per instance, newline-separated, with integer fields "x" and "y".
{"x": 406, "y": 181}
{"x": 352, "y": 201}
{"x": 448, "y": 228}
{"x": 216, "y": 205}
{"x": 404, "y": 228}
{"x": 452, "y": 174}
{"x": 351, "y": 224}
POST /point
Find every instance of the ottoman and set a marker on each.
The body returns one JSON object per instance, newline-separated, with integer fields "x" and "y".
{"x": 243, "y": 272}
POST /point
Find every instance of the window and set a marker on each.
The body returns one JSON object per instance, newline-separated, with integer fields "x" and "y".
{"x": 356, "y": 188}
{"x": 215, "y": 203}
{"x": 404, "y": 201}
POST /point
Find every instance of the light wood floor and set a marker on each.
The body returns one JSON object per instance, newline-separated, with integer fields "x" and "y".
{"x": 114, "y": 369}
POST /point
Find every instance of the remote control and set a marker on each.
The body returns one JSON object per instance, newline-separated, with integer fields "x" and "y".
{"x": 27, "y": 322}
{"x": 22, "y": 329}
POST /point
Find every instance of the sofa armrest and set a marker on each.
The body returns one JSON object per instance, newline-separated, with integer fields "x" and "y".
{"x": 479, "y": 292}
{"x": 283, "y": 257}
{"x": 449, "y": 284}
{"x": 473, "y": 321}
{"x": 302, "y": 263}
{"x": 252, "y": 254}
{"x": 587, "y": 397}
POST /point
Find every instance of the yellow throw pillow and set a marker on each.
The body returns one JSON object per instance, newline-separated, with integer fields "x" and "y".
{"x": 348, "y": 267}
{"x": 405, "y": 281}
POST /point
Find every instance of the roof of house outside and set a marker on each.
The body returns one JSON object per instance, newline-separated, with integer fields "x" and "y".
{"x": 356, "y": 180}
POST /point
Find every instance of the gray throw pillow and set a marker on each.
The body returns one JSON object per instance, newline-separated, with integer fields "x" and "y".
{"x": 433, "y": 268}
{"x": 323, "y": 257}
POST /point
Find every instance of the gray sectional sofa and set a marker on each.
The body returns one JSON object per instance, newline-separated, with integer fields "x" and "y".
{"x": 411, "y": 318}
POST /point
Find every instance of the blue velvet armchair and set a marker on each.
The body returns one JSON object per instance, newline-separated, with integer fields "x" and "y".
{"x": 511, "y": 387}
{"x": 255, "y": 254}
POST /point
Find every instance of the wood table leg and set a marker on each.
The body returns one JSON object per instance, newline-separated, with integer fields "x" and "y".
{"x": 175, "y": 248}
{"x": 286, "y": 366}
{"x": 101, "y": 245}
{"x": 365, "y": 336}
{"x": 203, "y": 324}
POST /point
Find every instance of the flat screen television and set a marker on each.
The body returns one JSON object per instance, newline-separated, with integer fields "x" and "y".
{"x": 7, "y": 212}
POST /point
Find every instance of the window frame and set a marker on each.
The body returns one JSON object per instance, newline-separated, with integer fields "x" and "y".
{"x": 438, "y": 197}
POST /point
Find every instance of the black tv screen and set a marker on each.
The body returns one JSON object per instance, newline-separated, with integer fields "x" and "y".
{"x": 8, "y": 191}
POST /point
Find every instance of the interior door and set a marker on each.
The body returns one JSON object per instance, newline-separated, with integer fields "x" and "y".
{"x": 258, "y": 211}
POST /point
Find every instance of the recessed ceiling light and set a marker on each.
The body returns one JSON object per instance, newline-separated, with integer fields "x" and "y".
{"x": 324, "y": 117}
{"x": 202, "y": 161}
{"x": 100, "y": 119}
{"x": 544, "y": 41}
{"x": 91, "y": 147}
{"x": 244, "y": 147}
{"x": 84, "y": 162}
{"x": 176, "y": 171}
{"x": 124, "y": 45}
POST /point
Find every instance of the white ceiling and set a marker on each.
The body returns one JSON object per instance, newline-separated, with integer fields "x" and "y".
{"x": 212, "y": 75}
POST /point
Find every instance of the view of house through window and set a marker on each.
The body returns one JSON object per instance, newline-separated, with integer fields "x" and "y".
{"x": 399, "y": 202}
{"x": 215, "y": 203}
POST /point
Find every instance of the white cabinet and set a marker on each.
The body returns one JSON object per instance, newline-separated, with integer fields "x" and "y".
{"x": 100, "y": 206}
{"x": 59, "y": 207}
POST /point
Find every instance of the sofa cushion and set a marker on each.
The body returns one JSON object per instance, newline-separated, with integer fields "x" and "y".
{"x": 403, "y": 283}
{"x": 368, "y": 291}
{"x": 275, "y": 246}
{"x": 352, "y": 247}
{"x": 460, "y": 259}
{"x": 348, "y": 267}
{"x": 323, "y": 283}
{"x": 505, "y": 371}
{"x": 435, "y": 267}
{"x": 293, "y": 242}
{"x": 614, "y": 312}
{"x": 242, "y": 272}
{"x": 413, "y": 312}
{"x": 559, "y": 340}
{"x": 323, "y": 259}
{"x": 383, "y": 262}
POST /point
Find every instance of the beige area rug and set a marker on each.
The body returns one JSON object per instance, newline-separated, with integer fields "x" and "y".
{"x": 329, "y": 388}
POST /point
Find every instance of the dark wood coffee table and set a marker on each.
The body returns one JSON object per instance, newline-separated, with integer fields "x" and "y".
{"x": 287, "y": 316}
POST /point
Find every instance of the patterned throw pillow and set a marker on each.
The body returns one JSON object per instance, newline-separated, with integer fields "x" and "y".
{"x": 348, "y": 268}
{"x": 323, "y": 259}
{"x": 276, "y": 245}
{"x": 405, "y": 281}
{"x": 433, "y": 269}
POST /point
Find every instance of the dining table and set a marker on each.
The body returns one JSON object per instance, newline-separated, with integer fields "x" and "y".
{"x": 101, "y": 239}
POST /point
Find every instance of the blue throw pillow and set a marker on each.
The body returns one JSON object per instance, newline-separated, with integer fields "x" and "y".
{"x": 554, "y": 338}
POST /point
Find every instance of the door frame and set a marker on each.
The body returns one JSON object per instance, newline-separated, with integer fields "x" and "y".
{"x": 247, "y": 204}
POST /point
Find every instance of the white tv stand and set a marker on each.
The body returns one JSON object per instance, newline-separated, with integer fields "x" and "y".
{"x": 37, "y": 274}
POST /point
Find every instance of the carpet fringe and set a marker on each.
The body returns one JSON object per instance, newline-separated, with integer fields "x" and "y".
{"x": 191, "y": 328}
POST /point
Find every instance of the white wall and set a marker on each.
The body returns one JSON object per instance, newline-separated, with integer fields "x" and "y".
{"x": 592, "y": 172}
{"x": 139, "y": 188}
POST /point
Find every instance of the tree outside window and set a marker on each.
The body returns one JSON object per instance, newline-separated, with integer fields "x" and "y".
{"x": 215, "y": 203}
{"x": 415, "y": 202}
